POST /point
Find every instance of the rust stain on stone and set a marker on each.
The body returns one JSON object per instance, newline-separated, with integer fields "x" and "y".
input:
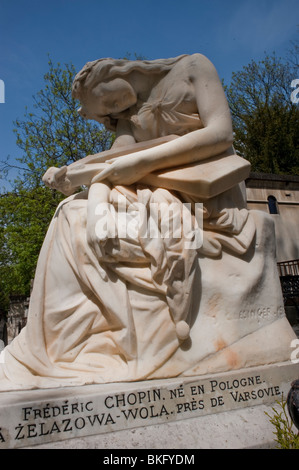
{"x": 232, "y": 358}
{"x": 219, "y": 344}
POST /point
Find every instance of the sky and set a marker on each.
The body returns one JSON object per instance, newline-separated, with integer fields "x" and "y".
{"x": 230, "y": 33}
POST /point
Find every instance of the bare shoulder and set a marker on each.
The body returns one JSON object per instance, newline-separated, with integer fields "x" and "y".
{"x": 198, "y": 66}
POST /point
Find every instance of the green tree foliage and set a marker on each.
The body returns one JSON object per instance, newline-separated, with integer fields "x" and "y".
{"x": 285, "y": 432}
{"x": 54, "y": 134}
{"x": 24, "y": 217}
{"x": 51, "y": 134}
{"x": 265, "y": 119}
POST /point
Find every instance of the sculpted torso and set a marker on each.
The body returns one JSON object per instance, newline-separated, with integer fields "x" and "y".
{"x": 170, "y": 108}
{"x": 136, "y": 104}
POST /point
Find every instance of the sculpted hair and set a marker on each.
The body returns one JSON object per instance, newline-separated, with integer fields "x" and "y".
{"x": 105, "y": 69}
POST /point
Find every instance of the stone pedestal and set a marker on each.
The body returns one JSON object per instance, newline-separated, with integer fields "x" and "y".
{"x": 245, "y": 428}
{"x": 174, "y": 413}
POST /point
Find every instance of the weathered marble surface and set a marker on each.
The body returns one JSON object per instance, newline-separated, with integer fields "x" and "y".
{"x": 39, "y": 417}
{"x": 110, "y": 308}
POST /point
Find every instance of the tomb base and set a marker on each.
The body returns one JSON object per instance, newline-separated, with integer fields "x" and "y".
{"x": 225, "y": 410}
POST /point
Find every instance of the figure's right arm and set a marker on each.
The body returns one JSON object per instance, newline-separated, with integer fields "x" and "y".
{"x": 124, "y": 134}
{"x": 68, "y": 179}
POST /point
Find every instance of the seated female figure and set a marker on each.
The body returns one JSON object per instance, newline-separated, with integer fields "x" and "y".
{"x": 120, "y": 309}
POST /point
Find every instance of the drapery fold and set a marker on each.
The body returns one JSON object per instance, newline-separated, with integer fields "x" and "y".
{"x": 108, "y": 313}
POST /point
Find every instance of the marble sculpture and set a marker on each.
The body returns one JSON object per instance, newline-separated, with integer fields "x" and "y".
{"x": 109, "y": 306}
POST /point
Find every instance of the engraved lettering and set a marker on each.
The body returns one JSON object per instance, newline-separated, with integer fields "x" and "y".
{"x": 20, "y": 429}
{"x": 1, "y": 437}
{"x": 67, "y": 426}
